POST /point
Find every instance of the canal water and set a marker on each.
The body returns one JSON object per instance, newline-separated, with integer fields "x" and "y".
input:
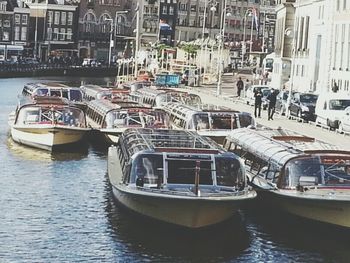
{"x": 59, "y": 208}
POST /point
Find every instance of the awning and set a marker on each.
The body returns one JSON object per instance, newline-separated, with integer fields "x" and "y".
{"x": 11, "y": 47}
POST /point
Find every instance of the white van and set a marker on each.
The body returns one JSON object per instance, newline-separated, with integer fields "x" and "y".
{"x": 330, "y": 107}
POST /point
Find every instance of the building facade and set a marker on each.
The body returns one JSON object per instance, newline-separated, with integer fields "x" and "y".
{"x": 14, "y": 24}
{"x": 101, "y": 24}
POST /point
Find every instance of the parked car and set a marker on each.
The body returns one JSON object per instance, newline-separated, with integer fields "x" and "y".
{"x": 249, "y": 95}
{"x": 303, "y": 106}
{"x": 344, "y": 122}
{"x": 330, "y": 107}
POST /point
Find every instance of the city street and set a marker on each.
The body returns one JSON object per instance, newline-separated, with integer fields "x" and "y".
{"x": 229, "y": 98}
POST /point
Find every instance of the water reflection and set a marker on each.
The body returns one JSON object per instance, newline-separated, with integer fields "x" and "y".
{"x": 296, "y": 238}
{"x": 152, "y": 240}
{"x": 33, "y": 154}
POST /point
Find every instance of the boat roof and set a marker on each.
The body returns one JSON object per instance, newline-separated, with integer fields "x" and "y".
{"x": 103, "y": 106}
{"x": 205, "y": 108}
{"x": 48, "y": 85}
{"x": 279, "y": 145}
{"x": 163, "y": 140}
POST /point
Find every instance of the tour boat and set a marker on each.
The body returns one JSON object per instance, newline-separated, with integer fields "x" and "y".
{"x": 111, "y": 117}
{"x": 48, "y": 123}
{"x": 178, "y": 177}
{"x": 208, "y": 120}
{"x": 93, "y": 92}
{"x": 296, "y": 173}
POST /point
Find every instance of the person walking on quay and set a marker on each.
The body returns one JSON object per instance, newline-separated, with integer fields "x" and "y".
{"x": 272, "y": 97}
{"x": 240, "y": 86}
{"x": 257, "y": 103}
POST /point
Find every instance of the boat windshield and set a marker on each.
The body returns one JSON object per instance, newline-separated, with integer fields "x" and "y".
{"x": 152, "y": 119}
{"x": 317, "y": 170}
{"x": 229, "y": 172}
{"x": 148, "y": 167}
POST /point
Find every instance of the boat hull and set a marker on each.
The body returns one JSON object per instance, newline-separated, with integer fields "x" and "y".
{"x": 187, "y": 210}
{"x": 48, "y": 137}
{"x": 326, "y": 209}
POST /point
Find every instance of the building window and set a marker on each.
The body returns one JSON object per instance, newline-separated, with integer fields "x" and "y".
{"x": 49, "y": 17}
{"x": 63, "y": 18}
{"x": 55, "y": 33}
{"x": 70, "y": 18}
{"x": 63, "y": 34}
{"x": 57, "y": 18}
{"x": 69, "y": 34}
{"x": 7, "y": 23}
{"x": 24, "y": 34}
{"x": 5, "y": 36}
{"x": 49, "y": 33}
{"x": 171, "y": 10}
{"x": 24, "y": 19}
{"x": 17, "y": 33}
{"x": 164, "y": 12}
{"x": 17, "y": 19}
{"x": 348, "y": 60}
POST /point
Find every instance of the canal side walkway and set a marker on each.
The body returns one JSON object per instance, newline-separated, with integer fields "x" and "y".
{"x": 228, "y": 98}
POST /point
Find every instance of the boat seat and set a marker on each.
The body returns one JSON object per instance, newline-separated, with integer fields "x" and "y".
{"x": 308, "y": 180}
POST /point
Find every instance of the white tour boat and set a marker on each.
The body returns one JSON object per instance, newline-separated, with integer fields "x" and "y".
{"x": 208, "y": 120}
{"x": 112, "y": 118}
{"x": 48, "y": 123}
{"x": 295, "y": 173}
{"x": 178, "y": 177}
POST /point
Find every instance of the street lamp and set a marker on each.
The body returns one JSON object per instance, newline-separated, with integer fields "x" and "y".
{"x": 116, "y": 26}
{"x": 212, "y": 4}
{"x": 137, "y": 39}
{"x": 221, "y": 39}
{"x": 248, "y": 12}
{"x": 110, "y": 40}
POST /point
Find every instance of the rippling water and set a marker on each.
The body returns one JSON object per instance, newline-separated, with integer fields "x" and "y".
{"x": 59, "y": 208}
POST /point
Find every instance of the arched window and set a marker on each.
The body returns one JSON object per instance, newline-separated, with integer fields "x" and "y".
{"x": 89, "y": 22}
{"x": 105, "y": 23}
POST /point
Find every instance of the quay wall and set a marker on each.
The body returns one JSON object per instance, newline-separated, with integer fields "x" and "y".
{"x": 42, "y": 71}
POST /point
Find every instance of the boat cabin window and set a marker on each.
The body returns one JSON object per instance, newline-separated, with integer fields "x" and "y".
{"x": 55, "y": 93}
{"x": 41, "y": 92}
{"x": 162, "y": 99}
{"x": 245, "y": 120}
{"x": 75, "y": 95}
{"x": 229, "y": 172}
{"x": 184, "y": 172}
{"x": 148, "y": 168}
{"x": 223, "y": 121}
{"x": 200, "y": 121}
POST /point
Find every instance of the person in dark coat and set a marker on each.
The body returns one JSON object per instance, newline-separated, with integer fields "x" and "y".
{"x": 257, "y": 103}
{"x": 240, "y": 86}
{"x": 272, "y": 97}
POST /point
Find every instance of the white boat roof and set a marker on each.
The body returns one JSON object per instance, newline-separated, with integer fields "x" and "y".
{"x": 279, "y": 145}
{"x": 162, "y": 140}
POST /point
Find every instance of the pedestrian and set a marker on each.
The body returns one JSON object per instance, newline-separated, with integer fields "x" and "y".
{"x": 240, "y": 86}
{"x": 272, "y": 97}
{"x": 248, "y": 84}
{"x": 257, "y": 103}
